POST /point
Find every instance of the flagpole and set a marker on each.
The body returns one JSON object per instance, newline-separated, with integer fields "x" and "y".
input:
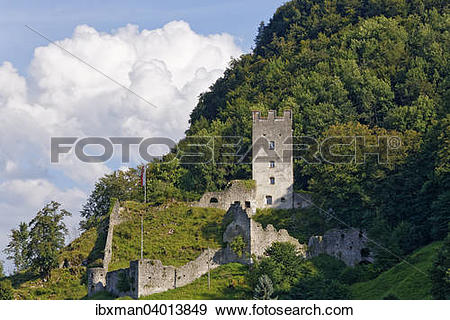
{"x": 144, "y": 183}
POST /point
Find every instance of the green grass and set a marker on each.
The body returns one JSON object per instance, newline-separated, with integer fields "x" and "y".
{"x": 87, "y": 246}
{"x": 227, "y": 282}
{"x": 175, "y": 234}
{"x": 403, "y": 280}
{"x": 64, "y": 283}
{"x": 300, "y": 223}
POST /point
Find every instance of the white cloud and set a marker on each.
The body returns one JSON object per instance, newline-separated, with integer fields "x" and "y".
{"x": 61, "y": 96}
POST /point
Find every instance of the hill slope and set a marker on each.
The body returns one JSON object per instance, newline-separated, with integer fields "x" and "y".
{"x": 174, "y": 234}
{"x": 403, "y": 280}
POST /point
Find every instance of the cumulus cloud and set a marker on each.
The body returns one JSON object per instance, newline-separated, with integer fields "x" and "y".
{"x": 60, "y": 96}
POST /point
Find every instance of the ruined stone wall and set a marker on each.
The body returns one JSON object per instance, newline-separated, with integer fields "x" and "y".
{"x": 114, "y": 219}
{"x": 263, "y": 238}
{"x": 237, "y": 192}
{"x": 97, "y": 276}
{"x": 96, "y": 280}
{"x": 257, "y": 238}
{"x": 115, "y": 281}
{"x": 348, "y": 245}
{"x": 302, "y": 200}
{"x": 147, "y": 276}
{"x": 151, "y": 276}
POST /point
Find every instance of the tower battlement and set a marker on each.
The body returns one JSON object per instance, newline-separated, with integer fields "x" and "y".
{"x": 272, "y": 116}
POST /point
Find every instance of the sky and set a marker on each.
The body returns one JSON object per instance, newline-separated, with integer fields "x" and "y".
{"x": 167, "y": 52}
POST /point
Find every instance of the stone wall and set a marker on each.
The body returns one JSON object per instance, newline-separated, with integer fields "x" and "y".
{"x": 97, "y": 276}
{"x": 302, "y": 200}
{"x": 96, "y": 280}
{"x": 115, "y": 280}
{"x": 348, "y": 245}
{"x": 153, "y": 277}
{"x": 257, "y": 238}
{"x": 237, "y": 192}
{"x": 114, "y": 219}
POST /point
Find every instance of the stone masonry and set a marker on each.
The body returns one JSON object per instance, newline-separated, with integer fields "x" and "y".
{"x": 348, "y": 245}
{"x": 272, "y": 163}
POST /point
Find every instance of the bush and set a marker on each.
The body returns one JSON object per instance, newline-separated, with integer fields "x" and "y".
{"x": 320, "y": 288}
{"x": 283, "y": 266}
{"x": 328, "y": 266}
{"x": 238, "y": 245}
{"x": 359, "y": 273}
{"x": 6, "y": 290}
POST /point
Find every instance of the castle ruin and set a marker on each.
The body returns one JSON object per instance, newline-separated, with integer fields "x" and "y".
{"x": 271, "y": 187}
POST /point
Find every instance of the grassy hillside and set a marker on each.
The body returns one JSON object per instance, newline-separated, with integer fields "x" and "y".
{"x": 227, "y": 282}
{"x": 64, "y": 283}
{"x": 403, "y": 280}
{"x": 175, "y": 234}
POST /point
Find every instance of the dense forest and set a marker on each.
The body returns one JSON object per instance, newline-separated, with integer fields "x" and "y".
{"x": 345, "y": 68}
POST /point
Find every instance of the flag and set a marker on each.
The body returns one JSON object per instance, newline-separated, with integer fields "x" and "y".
{"x": 143, "y": 176}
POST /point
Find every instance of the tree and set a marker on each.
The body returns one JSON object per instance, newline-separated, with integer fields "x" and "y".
{"x": 1, "y": 269}
{"x": 17, "y": 247}
{"x": 283, "y": 266}
{"x": 264, "y": 288}
{"x": 123, "y": 185}
{"x": 47, "y": 235}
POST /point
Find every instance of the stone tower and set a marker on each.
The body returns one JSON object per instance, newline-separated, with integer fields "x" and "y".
{"x": 272, "y": 163}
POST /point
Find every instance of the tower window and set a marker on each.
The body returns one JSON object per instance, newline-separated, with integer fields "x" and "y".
{"x": 268, "y": 199}
{"x": 283, "y": 199}
{"x": 272, "y": 180}
{"x": 272, "y": 164}
{"x": 271, "y": 145}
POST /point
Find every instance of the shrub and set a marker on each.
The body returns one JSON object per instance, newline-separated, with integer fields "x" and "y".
{"x": 328, "y": 266}
{"x": 283, "y": 266}
{"x": 238, "y": 245}
{"x": 6, "y": 290}
{"x": 359, "y": 273}
{"x": 319, "y": 288}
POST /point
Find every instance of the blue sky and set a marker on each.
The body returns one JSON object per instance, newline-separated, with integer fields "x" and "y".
{"x": 57, "y": 20}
